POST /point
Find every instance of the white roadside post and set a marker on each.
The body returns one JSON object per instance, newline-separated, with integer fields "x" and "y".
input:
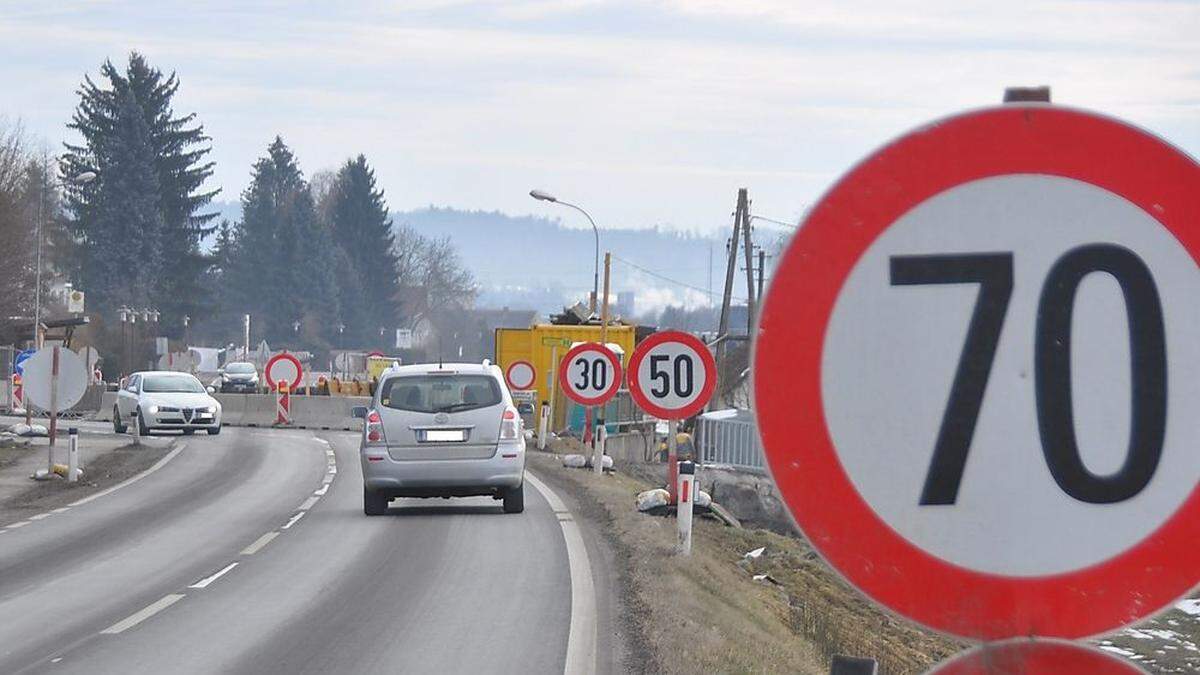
{"x": 72, "y": 455}
{"x": 598, "y": 453}
{"x": 135, "y": 426}
{"x": 543, "y": 425}
{"x": 687, "y": 495}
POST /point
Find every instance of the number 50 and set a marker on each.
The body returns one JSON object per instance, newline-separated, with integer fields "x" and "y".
{"x": 1052, "y": 366}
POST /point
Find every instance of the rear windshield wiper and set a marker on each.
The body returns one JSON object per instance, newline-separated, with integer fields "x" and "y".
{"x": 455, "y": 407}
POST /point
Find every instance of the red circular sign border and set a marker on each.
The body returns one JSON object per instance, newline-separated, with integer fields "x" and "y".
{"x": 612, "y": 359}
{"x": 1038, "y": 139}
{"x": 1035, "y": 657}
{"x": 280, "y": 357}
{"x": 508, "y": 377}
{"x": 710, "y": 372}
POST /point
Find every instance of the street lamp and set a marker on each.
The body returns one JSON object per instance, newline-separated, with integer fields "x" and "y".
{"x": 85, "y": 177}
{"x": 544, "y": 196}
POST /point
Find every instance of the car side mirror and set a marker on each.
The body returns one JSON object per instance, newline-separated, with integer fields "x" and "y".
{"x": 212, "y": 390}
{"x": 359, "y": 412}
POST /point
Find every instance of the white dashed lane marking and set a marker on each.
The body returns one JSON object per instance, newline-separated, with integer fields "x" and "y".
{"x": 143, "y": 614}
{"x": 203, "y": 583}
{"x": 259, "y": 543}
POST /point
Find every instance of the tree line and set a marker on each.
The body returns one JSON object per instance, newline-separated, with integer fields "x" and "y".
{"x": 318, "y": 264}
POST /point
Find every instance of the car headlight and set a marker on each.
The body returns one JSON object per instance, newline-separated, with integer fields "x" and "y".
{"x": 152, "y": 409}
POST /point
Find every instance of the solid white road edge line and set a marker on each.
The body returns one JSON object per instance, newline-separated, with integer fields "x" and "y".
{"x": 309, "y": 503}
{"x": 203, "y": 583}
{"x": 130, "y": 481}
{"x": 581, "y": 637}
{"x": 143, "y": 614}
{"x": 259, "y": 543}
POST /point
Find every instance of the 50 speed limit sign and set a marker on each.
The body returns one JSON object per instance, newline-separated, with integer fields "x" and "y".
{"x": 977, "y": 374}
{"x": 672, "y": 375}
{"x": 590, "y": 374}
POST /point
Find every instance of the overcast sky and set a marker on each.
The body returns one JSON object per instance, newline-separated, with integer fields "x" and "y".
{"x": 646, "y": 113}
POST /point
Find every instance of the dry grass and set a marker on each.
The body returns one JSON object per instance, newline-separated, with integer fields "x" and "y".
{"x": 705, "y": 613}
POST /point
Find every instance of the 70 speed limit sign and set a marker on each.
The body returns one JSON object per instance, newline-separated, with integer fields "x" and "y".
{"x": 672, "y": 375}
{"x": 977, "y": 374}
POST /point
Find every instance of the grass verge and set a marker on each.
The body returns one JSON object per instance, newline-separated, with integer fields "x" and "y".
{"x": 707, "y": 613}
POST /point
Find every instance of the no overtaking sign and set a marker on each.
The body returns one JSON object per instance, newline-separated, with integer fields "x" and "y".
{"x": 977, "y": 372}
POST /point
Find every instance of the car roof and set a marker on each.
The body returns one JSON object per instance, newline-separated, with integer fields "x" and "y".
{"x": 440, "y": 368}
{"x": 160, "y": 372}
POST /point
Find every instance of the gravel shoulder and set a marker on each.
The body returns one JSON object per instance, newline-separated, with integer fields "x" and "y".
{"x": 106, "y": 459}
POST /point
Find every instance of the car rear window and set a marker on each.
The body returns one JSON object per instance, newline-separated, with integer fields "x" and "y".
{"x": 440, "y": 393}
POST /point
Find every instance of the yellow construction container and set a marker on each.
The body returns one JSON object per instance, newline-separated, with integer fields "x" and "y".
{"x": 542, "y": 344}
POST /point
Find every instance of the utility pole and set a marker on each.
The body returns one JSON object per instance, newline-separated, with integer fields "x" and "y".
{"x": 748, "y": 247}
{"x": 730, "y": 268}
{"x": 762, "y": 265}
{"x": 601, "y": 429}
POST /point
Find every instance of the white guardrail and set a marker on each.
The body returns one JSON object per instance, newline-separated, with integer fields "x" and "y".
{"x": 730, "y": 437}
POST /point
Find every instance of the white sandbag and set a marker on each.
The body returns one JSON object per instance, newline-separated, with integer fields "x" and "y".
{"x": 652, "y": 499}
{"x": 574, "y": 461}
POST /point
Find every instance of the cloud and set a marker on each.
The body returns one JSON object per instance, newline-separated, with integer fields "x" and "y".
{"x": 648, "y": 112}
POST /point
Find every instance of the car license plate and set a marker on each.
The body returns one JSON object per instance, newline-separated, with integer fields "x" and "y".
{"x": 445, "y": 435}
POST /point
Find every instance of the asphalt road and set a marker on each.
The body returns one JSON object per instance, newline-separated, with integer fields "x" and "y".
{"x": 249, "y": 552}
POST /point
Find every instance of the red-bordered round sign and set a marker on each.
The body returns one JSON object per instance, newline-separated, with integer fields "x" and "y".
{"x": 520, "y": 375}
{"x": 923, "y": 312}
{"x": 590, "y": 374}
{"x": 1035, "y": 657}
{"x": 672, "y": 375}
{"x": 283, "y": 367}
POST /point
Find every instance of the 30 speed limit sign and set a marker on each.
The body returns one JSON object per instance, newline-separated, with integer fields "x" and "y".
{"x": 590, "y": 374}
{"x": 977, "y": 374}
{"x": 672, "y": 375}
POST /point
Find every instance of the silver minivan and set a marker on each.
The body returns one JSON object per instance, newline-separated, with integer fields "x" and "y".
{"x": 442, "y": 430}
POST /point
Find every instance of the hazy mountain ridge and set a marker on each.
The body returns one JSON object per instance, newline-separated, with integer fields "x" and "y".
{"x": 539, "y": 263}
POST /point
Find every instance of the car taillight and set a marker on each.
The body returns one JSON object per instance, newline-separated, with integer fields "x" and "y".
{"x": 375, "y": 427}
{"x": 510, "y": 426}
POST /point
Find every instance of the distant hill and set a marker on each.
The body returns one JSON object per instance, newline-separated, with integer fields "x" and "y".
{"x": 538, "y": 263}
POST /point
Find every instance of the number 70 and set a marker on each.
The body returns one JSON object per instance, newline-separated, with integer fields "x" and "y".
{"x": 1052, "y": 366}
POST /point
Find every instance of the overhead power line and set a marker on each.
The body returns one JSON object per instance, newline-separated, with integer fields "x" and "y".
{"x": 667, "y": 279}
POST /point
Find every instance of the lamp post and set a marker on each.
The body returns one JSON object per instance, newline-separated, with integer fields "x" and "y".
{"x": 544, "y": 196}
{"x": 85, "y": 177}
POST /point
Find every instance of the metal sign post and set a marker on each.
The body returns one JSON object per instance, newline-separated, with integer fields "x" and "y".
{"x": 590, "y": 374}
{"x": 672, "y": 376}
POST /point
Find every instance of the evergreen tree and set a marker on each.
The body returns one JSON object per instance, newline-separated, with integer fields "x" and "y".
{"x": 361, "y": 227}
{"x": 177, "y": 147}
{"x": 282, "y": 267}
{"x": 122, "y": 233}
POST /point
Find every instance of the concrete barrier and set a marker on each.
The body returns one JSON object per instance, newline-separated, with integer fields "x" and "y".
{"x": 108, "y": 400}
{"x": 258, "y": 410}
{"x": 326, "y": 412}
{"x": 233, "y": 408}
